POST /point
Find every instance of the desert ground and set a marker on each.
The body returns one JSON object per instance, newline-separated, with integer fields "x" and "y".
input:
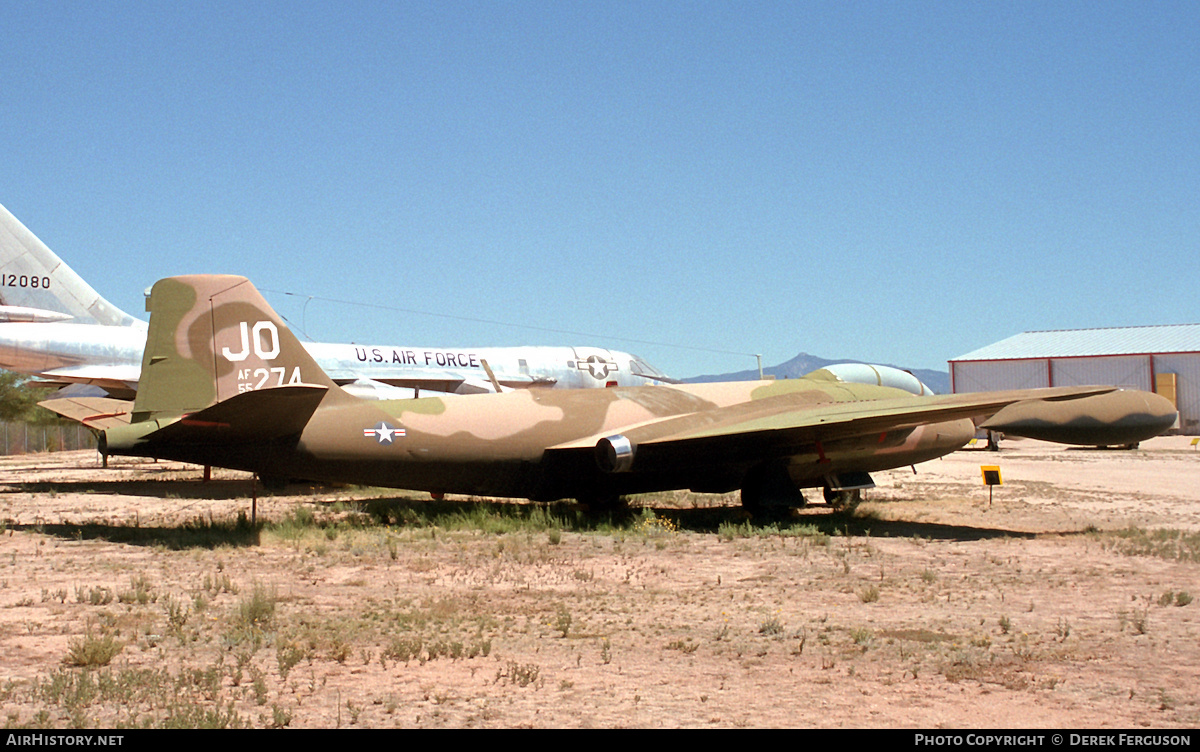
{"x": 134, "y": 595}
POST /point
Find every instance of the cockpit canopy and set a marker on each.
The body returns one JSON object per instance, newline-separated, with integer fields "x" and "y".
{"x": 640, "y": 367}
{"x": 864, "y": 373}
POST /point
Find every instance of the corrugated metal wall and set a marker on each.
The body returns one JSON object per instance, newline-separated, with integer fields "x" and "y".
{"x": 995, "y": 375}
{"x": 1118, "y": 370}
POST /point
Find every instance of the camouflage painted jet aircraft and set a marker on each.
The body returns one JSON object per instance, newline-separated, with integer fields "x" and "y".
{"x": 225, "y": 383}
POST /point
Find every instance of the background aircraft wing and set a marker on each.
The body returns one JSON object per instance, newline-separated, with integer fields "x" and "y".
{"x": 118, "y": 377}
{"x": 434, "y": 379}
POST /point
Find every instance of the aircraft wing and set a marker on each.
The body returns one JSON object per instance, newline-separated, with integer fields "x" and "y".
{"x": 850, "y": 419}
{"x": 786, "y": 424}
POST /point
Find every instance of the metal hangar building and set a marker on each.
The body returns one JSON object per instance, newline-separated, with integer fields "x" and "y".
{"x": 1162, "y": 359}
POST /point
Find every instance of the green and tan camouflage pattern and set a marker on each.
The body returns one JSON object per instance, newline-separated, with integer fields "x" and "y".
{"x": 225, "y": 383}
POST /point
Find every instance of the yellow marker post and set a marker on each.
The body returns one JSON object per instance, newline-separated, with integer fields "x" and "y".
{"x": 1195, "y": 441}
{"x": 991, "y": 477}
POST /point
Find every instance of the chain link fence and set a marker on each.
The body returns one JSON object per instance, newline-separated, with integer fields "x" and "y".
{"x": 23, "y": 438}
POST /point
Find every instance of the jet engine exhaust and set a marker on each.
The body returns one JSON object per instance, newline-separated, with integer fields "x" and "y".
{"x": 614, "y": 454}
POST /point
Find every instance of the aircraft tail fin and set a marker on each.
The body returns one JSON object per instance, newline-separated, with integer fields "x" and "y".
{"x": 35, "y": 284}
{"x": 211, "y": 338}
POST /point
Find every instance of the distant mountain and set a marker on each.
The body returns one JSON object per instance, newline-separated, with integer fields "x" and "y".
{"x": 938, "y": 381}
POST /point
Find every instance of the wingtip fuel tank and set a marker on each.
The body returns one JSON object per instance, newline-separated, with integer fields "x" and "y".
{"x": 1117, "y": 418}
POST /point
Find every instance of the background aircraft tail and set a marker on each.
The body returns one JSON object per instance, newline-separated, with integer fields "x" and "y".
{"x": 211, "y": 339}
{"x": 35, "y": 284}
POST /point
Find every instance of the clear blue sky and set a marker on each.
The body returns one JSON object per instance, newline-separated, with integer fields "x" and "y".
{"x": 890, "y": 181}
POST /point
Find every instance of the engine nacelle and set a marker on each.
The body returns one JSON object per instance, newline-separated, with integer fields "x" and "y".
{"x": 614, "y": 454}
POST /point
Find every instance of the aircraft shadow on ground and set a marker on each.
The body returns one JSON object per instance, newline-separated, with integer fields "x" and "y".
{"x": 729, "y": 520}
{"x": 497, "y": 516}
{"x": 216, "y": 490}
{"x": 198, "y": 533}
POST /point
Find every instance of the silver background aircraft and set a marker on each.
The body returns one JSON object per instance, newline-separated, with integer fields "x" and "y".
{"x": 56, "y": 327}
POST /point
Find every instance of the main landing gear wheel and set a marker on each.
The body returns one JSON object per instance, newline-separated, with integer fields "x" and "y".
{"x": 843, "y": 500}
{"x": 769, "y": 487}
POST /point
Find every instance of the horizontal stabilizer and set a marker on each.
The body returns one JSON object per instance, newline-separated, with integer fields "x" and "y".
{"x": 257, "y": 416}
{"x": 94, "y": 412}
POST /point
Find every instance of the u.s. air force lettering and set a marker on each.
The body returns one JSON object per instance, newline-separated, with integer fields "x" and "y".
{"x": 443, "y": 358}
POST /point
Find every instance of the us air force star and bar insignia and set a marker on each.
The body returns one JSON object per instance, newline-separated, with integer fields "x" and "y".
{"x": 597, "y": 366}
{"x": 383, "y": 433}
